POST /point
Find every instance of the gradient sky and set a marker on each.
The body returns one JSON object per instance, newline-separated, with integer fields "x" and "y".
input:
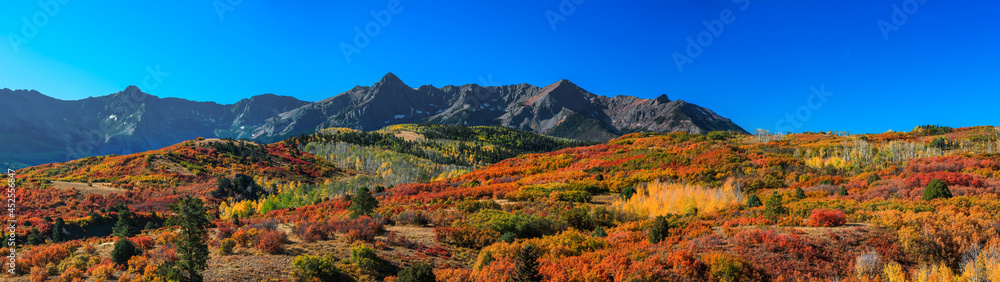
{"x": 939, "y": 66}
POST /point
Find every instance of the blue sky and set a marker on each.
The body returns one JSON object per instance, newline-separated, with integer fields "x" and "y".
{"x": 938, "y": 66}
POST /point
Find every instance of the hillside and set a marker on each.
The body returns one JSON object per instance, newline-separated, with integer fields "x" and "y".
{"x": 644, "y": 206}
{"x": 147, "y": 181}
{"x": 411, "y": 153}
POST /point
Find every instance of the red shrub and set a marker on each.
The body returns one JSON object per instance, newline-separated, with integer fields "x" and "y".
{"x": 312, "y": 231}
{"x": 269, "y": 241}
{"x": 225, "y": 232}
{"x": 364, "y": 228}
{"x": 437, "y": 252}
{"x": 827, "y": 218}
{"x": 950, "y": 178}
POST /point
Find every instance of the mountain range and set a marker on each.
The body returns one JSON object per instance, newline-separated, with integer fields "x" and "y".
{"x": 40, "y": 129}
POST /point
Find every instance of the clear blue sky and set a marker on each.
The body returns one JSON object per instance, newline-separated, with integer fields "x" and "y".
{"x": 940, "y": 66}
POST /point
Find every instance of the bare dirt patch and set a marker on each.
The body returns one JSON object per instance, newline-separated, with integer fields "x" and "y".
{"x": 103, "y": 189}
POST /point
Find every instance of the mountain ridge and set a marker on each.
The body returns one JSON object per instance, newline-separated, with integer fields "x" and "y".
{"x": 43, "y": 129}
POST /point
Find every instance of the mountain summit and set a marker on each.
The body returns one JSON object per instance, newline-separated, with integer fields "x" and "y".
{"x": 39, "y": 129}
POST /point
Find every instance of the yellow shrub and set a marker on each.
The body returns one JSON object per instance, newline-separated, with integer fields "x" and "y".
{"x": 103, "y": 271}
{"x": 893, "y": 272}
{"x": 137, "y": 264}
{"x": 939, "y": 273}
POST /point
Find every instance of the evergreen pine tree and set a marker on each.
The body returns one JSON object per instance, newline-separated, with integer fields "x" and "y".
{"x": 659, "y": 230}
{"x": 936, "y": 189}
{"x": 599, "y": 232}
{"x": 191, "y": 250}
{"x": 773, "y": 207}
{"x": 842, "y": 191}
{"x": 526, "y": 265}
{"x": 34, "y": 237}
{"x": 126, "y": 224}
{"x": 363, "y": 203}
{"x": 124, "y": 250}
{"x": 753, "y": 201}
{"x": 57, "y": 230}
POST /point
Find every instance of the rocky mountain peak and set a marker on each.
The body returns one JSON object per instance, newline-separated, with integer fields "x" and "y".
{"x": 391, "y": 79}
{"x": 562, "y": 84}
{"x": 662, "y": 99}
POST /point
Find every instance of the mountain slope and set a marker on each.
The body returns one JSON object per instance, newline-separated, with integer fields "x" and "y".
{"x": 40, "y": 129}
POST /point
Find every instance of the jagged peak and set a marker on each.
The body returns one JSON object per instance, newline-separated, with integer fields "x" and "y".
{"x": 562, "y": 86}
{"x": 563, "y": 83}
{"x": 131, "y": 91}
{"x": 390, "y": 78}
{"x": 662, "y": 99}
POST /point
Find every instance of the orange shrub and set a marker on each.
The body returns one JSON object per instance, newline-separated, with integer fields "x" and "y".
{"x": 145, "y": 242}
{"x": 684, "y": 263}
{"x": 453, "y": 275}
{"x": 697, "y": 228}
{"x": 72, "y": 274}
{"x": 42, "y": 255}
{"x": 39, "y": 274}
{"x": 168, "y": 237}
{"x": 245, "y": 237}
